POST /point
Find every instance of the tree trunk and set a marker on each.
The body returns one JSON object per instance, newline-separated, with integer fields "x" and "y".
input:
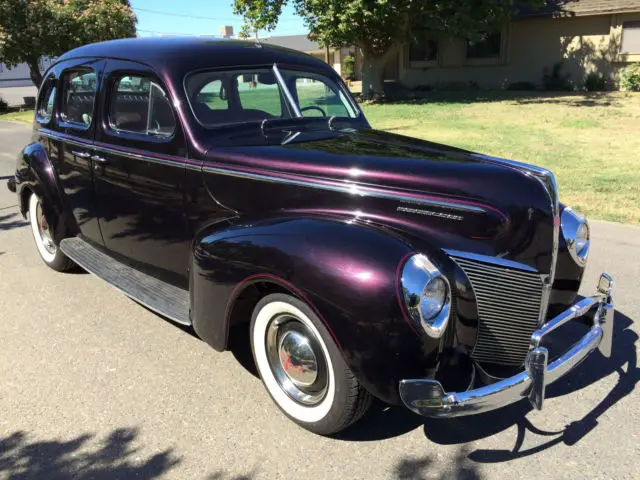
{"x": 372, "y": 74}
{"x": 34, "y": 71}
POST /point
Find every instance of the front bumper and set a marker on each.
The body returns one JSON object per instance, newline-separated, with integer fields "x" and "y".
{"x": 427, "y": 397}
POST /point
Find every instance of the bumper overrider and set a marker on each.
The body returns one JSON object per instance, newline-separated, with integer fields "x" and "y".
{"x": 427, "y": 397}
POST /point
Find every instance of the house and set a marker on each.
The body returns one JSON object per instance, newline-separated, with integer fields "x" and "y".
{"x": 19, "y": 75}
{"x": 586, "y": 35}
{"x": 333, "y": 56}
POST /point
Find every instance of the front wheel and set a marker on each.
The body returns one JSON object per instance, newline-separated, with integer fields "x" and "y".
{"x": 48, "y": 250}
{"x": 302, "y": 368}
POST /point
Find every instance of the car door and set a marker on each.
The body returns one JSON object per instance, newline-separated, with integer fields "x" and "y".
{"x": 139, "y": 173}
{"x": 71, "y": 132}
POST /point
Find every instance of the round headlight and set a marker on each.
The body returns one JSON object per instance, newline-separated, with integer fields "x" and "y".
{"x": 575, "y": 230}
{"x": 426, "y": 293}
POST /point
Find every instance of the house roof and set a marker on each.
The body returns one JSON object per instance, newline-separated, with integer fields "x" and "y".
{"x": 569, "y": 8}
{"x": 295, "y": 42}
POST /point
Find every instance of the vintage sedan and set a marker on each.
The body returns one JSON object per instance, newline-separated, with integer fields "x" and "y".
{"x": 221, "y": 182}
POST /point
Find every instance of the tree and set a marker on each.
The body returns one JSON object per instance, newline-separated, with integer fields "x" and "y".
{"x": 377, "y": 26}
{"x": 30, "y": 29}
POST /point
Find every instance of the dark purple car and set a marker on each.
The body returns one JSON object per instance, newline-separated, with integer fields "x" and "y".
{"x": 221, "y": 183}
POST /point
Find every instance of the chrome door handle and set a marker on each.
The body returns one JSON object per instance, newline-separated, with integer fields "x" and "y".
{"x": 80, "y": 154}
{"x": 98, "y": 159}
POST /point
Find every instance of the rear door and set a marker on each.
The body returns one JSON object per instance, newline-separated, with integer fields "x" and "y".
{"x": 140, "y": 173}
{"x": 71, "y": 133}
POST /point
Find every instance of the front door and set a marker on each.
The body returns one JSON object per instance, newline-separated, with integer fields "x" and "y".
{"x": 140, "y": 174}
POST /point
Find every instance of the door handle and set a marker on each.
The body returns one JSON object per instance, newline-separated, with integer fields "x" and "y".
{"x": 80, "y": 154}
{"x": 98, "y": 159}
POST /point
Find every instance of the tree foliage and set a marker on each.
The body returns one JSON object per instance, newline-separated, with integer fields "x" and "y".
{"x": 30, "y": 29}
{"x": 375, "y": 26}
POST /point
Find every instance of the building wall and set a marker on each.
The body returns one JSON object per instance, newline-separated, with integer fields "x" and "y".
{"x": 585, "y": 44}
{"x": 19, "y": 76}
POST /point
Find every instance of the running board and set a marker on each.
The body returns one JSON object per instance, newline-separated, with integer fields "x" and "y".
{"x": 163, "y": 298}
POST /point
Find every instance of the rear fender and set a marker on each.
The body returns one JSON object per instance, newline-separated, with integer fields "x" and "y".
{"x": 345, "y": 271}
{"x": 36, "y": 174}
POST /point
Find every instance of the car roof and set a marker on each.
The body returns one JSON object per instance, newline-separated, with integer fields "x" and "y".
{"x": 191, "y": 53}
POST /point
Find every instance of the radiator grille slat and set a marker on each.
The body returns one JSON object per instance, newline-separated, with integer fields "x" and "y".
{"x": 508, "y": 307}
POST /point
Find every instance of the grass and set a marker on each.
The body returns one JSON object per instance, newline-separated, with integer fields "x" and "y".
{"x": 24, "y": 116}
{"x": 590, "y": 141}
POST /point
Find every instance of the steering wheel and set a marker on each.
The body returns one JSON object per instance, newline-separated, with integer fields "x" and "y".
{"x": 314, "y": 107}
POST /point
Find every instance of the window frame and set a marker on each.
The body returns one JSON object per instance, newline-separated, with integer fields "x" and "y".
{"x": 48, "y": 84}
{"x": 500, "y": 59}
{"x": 636, "y": 25}
{"x": 59, "y": 102}
{"x": 423, "y": 63}
{"x": 111, "y": 87}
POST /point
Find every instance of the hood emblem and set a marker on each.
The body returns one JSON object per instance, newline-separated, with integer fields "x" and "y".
{"x": 429, "y": 213}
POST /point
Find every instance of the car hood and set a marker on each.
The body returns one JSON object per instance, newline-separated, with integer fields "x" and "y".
{"x": 458, "y": 199}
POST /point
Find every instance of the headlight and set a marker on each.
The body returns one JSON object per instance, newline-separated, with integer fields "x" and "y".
{"x": 575, "y": 230}
{"x": 427, "y": 295}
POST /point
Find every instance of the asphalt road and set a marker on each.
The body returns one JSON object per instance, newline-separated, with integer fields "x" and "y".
{"x": 94, "y": 386}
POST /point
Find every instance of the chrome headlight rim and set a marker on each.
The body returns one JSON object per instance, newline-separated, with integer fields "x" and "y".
{"x": 418, "y": 272}
{"x": 571, "y": 224}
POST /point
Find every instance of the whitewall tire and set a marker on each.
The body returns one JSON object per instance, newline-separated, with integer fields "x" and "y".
{"x": 302, "y": 368}
{"x": 47, "y": 248}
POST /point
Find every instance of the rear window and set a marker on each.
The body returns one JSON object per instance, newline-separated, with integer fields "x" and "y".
{"x": 139, "y": 105}
{"x": 78, "y": 97}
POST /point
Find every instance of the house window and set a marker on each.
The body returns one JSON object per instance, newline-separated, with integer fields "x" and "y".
{"x": 630, "y": 37}
{"x": 423, "y": 48}
{"x": 488, "y": 46}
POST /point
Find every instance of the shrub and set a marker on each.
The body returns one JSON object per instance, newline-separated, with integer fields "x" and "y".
{"x": 630, "y": 78}
{"x": 595, "y": 82}
{"x": 554, "y": 80}
{"x": 521, "y": 86}
{"x": 3, "y": 105}
{"x": 349, "y": 68}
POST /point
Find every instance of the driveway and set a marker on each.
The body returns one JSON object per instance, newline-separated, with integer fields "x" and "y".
{"x": 93, "y": 385}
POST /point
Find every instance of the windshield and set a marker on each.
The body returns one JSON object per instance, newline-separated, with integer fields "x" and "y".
{"x": 228, "y": 97}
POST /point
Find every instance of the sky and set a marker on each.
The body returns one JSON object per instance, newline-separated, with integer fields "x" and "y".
{"x": 201, "y": 17}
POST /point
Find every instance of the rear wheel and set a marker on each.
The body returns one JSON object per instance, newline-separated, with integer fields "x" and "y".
{"x": 47, "y": 248}
{"x": 302, "y": 368}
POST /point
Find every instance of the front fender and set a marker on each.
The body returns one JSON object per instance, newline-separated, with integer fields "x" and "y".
{"x": 35, "y": 173}
{"x": 346, "y": 271}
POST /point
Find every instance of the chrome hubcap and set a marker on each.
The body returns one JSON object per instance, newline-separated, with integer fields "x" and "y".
{"x": 296, "y": 360}
{"x": 43, "y": 229}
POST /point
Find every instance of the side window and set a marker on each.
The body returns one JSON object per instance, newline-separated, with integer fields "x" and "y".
{"x": 317, "y": 99}
{"x": 259, "y": 92}
{"x": 139, "y": 105}
{"x": 214, "y": 96}
{"x": 46, "y": 101}
{"x": 78, "y": 95}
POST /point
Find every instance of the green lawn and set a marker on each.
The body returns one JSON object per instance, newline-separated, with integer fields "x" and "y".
{"x": 590, "y": 142}
{"x": 24, "y": 116}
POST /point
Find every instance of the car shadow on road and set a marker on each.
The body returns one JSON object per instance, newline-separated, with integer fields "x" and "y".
{"x": 385, "y": 422}
{"x": 9, "y": 221}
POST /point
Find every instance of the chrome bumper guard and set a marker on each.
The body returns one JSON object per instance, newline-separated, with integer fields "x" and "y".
{"x": 428, "y": 398}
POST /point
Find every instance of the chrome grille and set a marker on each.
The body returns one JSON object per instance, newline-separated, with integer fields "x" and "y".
{"x": 509, "y": 303}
